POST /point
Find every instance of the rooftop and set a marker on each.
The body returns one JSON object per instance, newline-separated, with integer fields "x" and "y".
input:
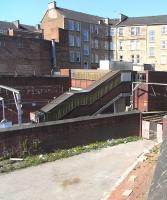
{"x": 147, "y": 20}
{"x": 12, "y": 25}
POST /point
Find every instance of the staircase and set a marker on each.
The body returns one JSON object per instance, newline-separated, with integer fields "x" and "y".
{"x": 86, "y": 102}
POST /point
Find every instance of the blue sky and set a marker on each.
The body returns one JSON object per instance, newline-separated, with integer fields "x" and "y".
{"x": 31, "y": 11}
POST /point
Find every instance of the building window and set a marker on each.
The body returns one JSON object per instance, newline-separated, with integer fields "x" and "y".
{"x": 120, "y": 45}
{"x": 106, "y": 57}
{"x": 78, "y": 41}
{"x": 77, "y": 26}
{"x": 120, "y": 58}
{"x": 75, "y": 56}
{"x": 19, "y": 44}
{"x": 152, "y": 36}
{"x": 112, "y": 32}
{"x": 106, "y": 44}
{"x": 96, "y": 44}
{"x": 132, "y": 58}
{"x": 71, "y": 26}
{"x": 3, "y": 31}
{"x": 72, "y": 56}
{"x": 91, "y": 28}
{"x": 112, "y": 46}
{"x": 86, "y": 35}
{"x": 86, "y": 50}
{"x": 2, "y": 43}
{"x": 135, "y": 31}
{"x": 151, "y": 51}
{"x": 135, "y": 45}
{"x": 164, "y": 29}
{"x": 138, "y": 58}
{"x": 163, "y": 60}
{"x": 96, "y": 29}
{"x": 71, "y": 41}
{"x": 96, "y": 58}
{"x": 120, "y": 31}
{"x": 163, "y": 44}
{"x": 78, "y": 57}
{"x": 107, "y": 31}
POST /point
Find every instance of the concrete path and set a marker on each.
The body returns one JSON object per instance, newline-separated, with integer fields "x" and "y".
{"x": 85, "y": 177}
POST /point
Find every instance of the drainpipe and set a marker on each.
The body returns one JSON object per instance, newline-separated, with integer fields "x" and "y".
{"x": 53, "y": 55}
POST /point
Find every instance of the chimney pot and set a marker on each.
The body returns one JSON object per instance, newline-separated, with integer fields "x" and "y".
{"x": 52, "y": 5}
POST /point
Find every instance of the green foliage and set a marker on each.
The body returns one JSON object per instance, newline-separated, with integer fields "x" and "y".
{"x": 155, "y": 149}
{"x": 6, "y": 165}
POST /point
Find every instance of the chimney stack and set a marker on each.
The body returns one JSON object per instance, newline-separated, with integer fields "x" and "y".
{"x": 38, "y": 27}
{"x": 17, "y": 23}
{"x": 52, "y": 5}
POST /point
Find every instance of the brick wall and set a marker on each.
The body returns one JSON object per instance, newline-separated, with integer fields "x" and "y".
{"x": 35, "y": 93}
{"x": 70, "y": 133}
{"x": 152, "y": 97}
{"x": 25, "y": 56}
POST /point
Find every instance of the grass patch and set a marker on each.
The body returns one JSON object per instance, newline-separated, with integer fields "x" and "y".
{"x": 7, "y": 165}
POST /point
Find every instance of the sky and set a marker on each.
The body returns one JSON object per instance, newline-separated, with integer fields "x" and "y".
{"x": 32, "y": 11}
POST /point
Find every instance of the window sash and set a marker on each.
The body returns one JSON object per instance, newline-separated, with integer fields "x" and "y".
{"x": 77, "y": 26}
{"x": 71, "y": 41}
{"x": 86, "y": 35}
{"x": 86, "y": 50}
{"x": 164, "y": 29}
{"x": 163, "y": 44}
{"x": 151, "y": 51}
{"x": 120, "y": 31}
{"x": 152, "y": 36}
{"x": 78, "y": 41}
{"x": 71, "y": 25}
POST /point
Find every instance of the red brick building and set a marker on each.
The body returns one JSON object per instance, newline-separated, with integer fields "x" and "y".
{"x": 83, "y": 39}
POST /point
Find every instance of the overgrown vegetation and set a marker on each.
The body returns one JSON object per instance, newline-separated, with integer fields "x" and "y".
{"x": 7, "y": 165}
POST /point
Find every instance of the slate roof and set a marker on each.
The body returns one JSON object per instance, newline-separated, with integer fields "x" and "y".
{"x": 83, "y": 17}
{"x": 10, "y": 25}
{"x": 149, "y": 20}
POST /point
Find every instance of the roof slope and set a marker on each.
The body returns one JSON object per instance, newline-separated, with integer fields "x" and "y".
{"x": 10, "y": 25}
{"x": 148, "y": 20}
{"x": 83, "y": 17}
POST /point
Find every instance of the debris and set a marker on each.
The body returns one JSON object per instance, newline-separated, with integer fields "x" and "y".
{"x": 16, "y": 159}
{"x": 127, "y": 193}
{"x": 132, "y": 178}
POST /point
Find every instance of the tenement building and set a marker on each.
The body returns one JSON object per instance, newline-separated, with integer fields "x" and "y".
{"x": 142, "y": 40}
{"x": 85, "y": 39}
